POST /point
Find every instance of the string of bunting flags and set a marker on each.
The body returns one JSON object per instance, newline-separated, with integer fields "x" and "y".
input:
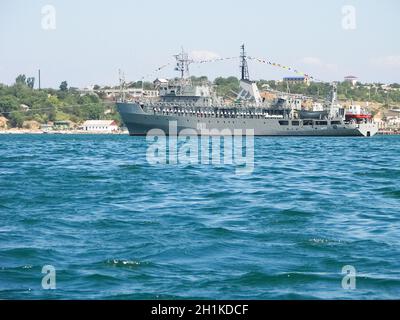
{"x": 274, "y": 64}
{"x": 192, "y": 61}
{"x": 284, "y": 67}
{"x": 156, "y": 70}
{"x": 214, "y": 60}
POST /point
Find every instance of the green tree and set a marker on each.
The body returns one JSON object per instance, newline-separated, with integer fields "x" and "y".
{"x": 226, "y": 86}
{"x": 7, "y": 104}
{"x": 93, "y": 112}
{"x": 16, "y": 119}
{"x": 30, "y": 82}
{"x": 64, "y": 86}
{"x": 21, "y": 79}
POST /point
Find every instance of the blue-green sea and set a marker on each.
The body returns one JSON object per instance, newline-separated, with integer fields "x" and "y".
{"x": 116, "y": 227}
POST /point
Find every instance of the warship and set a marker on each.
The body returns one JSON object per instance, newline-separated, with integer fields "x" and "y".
{"x": 193, "y": 106}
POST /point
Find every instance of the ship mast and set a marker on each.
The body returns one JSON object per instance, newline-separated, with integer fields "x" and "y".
{"x": 334, "y": 103}
{"x": 334, "y": 93}
{"x": 248, "y": 89}
{"x": 243, "y": 64}
{"x": 182, "y": 64}
{"x": 122, "y": 84}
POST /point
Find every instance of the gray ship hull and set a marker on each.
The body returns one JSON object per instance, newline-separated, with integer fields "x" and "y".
{"x": 141, "y": 123}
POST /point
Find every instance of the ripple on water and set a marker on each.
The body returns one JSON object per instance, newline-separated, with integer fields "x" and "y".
{"x": 131, "y": 167}
{"x": 123, "y": 263}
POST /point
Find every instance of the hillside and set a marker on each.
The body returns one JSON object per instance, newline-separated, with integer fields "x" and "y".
{"x": 21, "y": 103}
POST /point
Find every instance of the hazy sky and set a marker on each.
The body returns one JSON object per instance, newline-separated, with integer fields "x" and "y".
{"x": 93, "y": 39}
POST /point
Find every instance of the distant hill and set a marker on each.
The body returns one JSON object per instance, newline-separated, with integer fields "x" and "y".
{"x": 20, "y": 102}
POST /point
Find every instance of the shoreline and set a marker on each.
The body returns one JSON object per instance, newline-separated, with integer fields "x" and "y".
{"x": 29, "y": 131}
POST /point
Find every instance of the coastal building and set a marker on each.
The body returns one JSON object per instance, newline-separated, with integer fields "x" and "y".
{"x": 352, "y": 79}
{"x": 46, "y": 126}
{"x": 99, "y": 126}
{"x": 297, "y": 80}
{"x": 393, "y": 121}
{"x": 63, "y": 125}
{"x": 108, "y": 111}
{"x": 24, "y": 107}
{"x": 139, "y": 93}
{"x": 89, "y": 88}
{"x": 159, "y": 82}
{"x": 389, "y": 87}
{"x": 133, "y": 93}
{"x": 387, "y": 120}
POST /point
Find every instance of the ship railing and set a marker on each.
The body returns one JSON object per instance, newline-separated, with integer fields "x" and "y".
{"x": 211, "y": 113}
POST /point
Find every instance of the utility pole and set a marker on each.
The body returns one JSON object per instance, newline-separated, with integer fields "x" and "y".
{"x": 387, "y": 98}
{"x": 39, "y": 78}
{"x": 122, "y": 85}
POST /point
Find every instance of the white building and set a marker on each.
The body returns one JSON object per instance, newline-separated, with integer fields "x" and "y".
{"x": 351, "y": 79}
{"x": 393, "y": 121}
{"x": 159, "y": 82}
{"x": 297, "y": 80}
{"x": 99, "y": 126}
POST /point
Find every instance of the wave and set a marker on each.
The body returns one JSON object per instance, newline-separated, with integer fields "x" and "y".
{"x": 123, "y": 263}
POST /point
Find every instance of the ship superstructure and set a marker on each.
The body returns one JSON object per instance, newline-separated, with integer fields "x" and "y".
{"x": 195, "y": 105}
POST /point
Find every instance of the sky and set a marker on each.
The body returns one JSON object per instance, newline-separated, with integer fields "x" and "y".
{"x": 87, "y": 42}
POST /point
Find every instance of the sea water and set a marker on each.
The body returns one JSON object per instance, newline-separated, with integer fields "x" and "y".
{"x": 114, "y": 226}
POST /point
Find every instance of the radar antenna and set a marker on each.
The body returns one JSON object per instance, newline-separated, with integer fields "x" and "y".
{"x": 182, "y": 64}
